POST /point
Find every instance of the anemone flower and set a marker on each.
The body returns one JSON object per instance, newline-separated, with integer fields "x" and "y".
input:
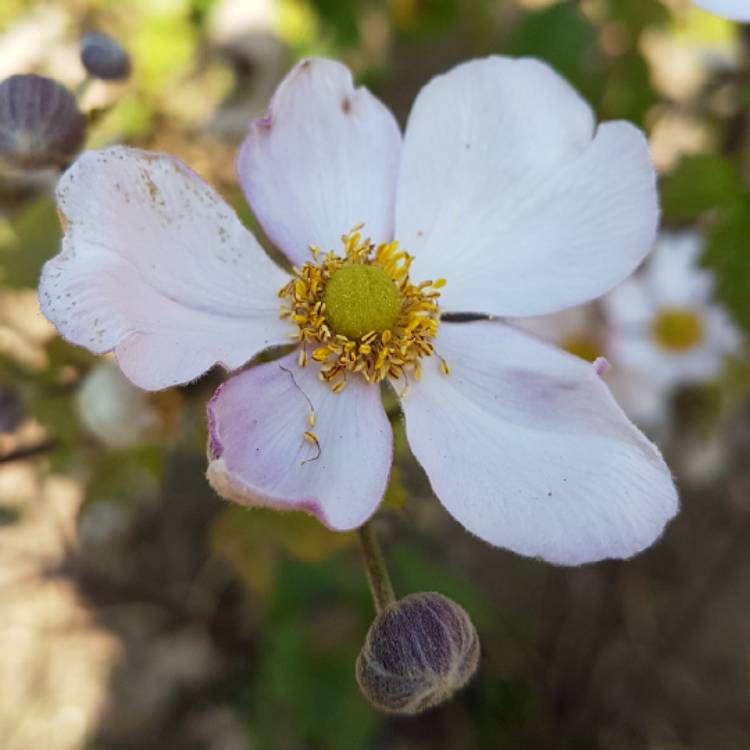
{"x": 507, "y": 200}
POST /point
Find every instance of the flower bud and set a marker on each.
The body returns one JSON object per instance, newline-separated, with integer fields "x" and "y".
{"x": 419, "y": 651}
{"x": 40, "y": 124}
{"x": 104, "y": 58}
{"x": 11, "y": 409}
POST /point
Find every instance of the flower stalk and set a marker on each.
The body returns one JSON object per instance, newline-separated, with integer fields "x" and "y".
{"x": 381, "y": 587}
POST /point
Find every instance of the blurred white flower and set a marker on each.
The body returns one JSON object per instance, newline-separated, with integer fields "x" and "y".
{"x": 663, "y": 321}
{"x": 113, "y": 409}
{"x": 734, "y": 10}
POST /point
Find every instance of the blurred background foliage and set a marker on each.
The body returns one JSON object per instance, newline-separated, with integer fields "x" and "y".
{"x": 140, "y": 611}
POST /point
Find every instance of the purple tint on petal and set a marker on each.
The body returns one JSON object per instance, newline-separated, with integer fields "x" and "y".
{"x": 215, "y": 446}
{"x": 602, "y": 366}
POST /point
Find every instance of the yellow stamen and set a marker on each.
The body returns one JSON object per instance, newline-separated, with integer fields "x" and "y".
{"x": 361, "y": 314}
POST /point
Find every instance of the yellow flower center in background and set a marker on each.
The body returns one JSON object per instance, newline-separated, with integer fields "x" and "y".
{"x": 582, "y": 347}
{"x": 677, "y": 329}
{"x": 359, "y": 299}
{"x": 359, "y": 313}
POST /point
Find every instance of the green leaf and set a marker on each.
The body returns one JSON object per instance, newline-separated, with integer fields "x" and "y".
{"x": 561, "y": 36}
{"x": 305, "y": 690}
{"x": 727, "y": 255}
{"x": 700, "y": 183}
{"x": 249, "y": 541}
{"x": 33, "y": 237}
{"x": 637, "y": 14}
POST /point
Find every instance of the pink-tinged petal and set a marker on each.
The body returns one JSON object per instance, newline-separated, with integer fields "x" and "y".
{"x": 324, "y": 159}
{"x": 155, "y": 266}
{"x": 507, "y": 190}
{"x": 525, "y": 446}
{"x": 734, "y": 10}
{"x": 601, "y": 366}
{"x": 259, "y": 455}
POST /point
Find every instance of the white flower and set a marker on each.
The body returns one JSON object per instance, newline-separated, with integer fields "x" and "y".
{"x": 113, "y": 409}
{"x": 663, "y": 322}
{"x": 734, "y": 10}
{"x": 502, "y": 186}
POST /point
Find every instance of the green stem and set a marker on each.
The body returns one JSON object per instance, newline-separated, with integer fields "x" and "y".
{"x": 377, "y": 574}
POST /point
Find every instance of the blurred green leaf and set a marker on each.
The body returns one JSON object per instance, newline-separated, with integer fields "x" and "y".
{"x": 395, "y": 497}
{"x": 119, "y": 475}
{"x": 249, "y": 541}
{"x": 728, "y": 255}
{"x": 561, "y": 36}
{"x": 637, "y": 14}
{"x": 700, "y": 183}
{"x": 55, "y": 410}
{"x": 628, "y": 93}
{"x": 342, "y": 17}
{"x": 306, "y": 680}
{"x": 33, "y": 238}
{"x": 425, "y": 17}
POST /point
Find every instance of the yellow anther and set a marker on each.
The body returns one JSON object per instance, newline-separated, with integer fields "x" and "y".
{"x": 373, "y": 346}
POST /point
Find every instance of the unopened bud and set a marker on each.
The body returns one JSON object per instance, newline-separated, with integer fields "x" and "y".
{"x": 40, "y": 124}
{"x": 419, "y": 651}
{"x": 11, "y": 409}
{"x": 104, "y": 58}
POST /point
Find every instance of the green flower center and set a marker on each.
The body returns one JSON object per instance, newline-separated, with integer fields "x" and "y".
{"x": 360, "y": 299}
{"x": 677, "y": 329}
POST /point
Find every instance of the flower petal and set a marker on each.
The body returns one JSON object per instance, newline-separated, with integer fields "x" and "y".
{"x": 630, "y": 306}
{"x": 525, "y": 446}
{"x": 324, "y": 159}
{"x": 157, "y": 267}
{"x": 734, "y": 10}
{"x": 672, "y": 274}
{"x": 507, "y": 192}
{"x": 259, "y": 454}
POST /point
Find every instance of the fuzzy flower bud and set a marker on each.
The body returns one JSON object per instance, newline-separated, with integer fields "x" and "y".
{"x": 419, "y": 651}
{"x": 40, "y": 124}
{"x": 104, "y": 58}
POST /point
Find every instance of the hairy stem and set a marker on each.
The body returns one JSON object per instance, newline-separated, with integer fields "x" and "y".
{"x": 377, "y": 573}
